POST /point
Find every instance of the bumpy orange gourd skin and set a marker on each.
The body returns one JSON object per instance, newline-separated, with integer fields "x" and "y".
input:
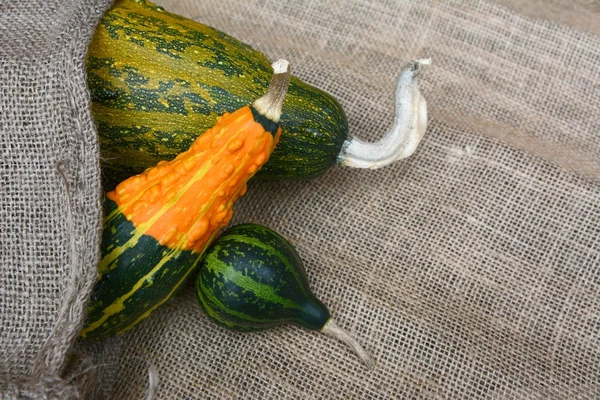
{"x": 184, "y": 202}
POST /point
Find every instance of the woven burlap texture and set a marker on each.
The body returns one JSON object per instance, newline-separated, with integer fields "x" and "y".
{"x": 49, "y": 193}
{"x": 468, "y": 271}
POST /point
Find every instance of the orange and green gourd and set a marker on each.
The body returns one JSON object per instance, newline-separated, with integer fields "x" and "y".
{"x": 158, "y": 223}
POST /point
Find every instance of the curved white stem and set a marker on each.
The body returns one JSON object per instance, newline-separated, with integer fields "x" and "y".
{"x": 410, "y": 123}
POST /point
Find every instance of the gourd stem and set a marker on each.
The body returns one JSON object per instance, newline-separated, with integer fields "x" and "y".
{"x": 402, "y": 139}
{"x": 271, "y": 103}
{"x": 335, "y": 331}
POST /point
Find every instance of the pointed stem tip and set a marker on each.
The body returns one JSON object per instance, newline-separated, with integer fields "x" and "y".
{"x": 402, "y": 139}
{"x": 271, "y": 103}
{"x": 335, "y": 331}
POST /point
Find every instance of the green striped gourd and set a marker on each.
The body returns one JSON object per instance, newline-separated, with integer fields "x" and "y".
{"x": 251, "y": 278}
{"x": 157, "y": 80}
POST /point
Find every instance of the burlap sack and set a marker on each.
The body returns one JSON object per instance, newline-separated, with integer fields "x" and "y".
{"x": 49, "y": 193}
{"x": 468, "y": 271}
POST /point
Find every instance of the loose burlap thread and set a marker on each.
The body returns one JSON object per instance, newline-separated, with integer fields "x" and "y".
{"x": 468, "y": 271}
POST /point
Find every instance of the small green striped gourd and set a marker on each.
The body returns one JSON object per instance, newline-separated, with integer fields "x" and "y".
{"x": 158, "y": 80}
{"x": 251, "y": 278}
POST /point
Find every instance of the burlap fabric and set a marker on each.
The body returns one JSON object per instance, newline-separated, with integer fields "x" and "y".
{"x": 470, "y": 270}
{"x": 49, "y": 196}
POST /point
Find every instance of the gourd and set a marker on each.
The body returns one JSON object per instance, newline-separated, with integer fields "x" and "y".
{"x": 157, "y": 80}
{"x": 157, "y": 224}
{"x": 251, "y": 278}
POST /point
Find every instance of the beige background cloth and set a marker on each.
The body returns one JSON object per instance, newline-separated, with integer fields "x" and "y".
{"x": 470, "y": 270}
{"x": 49, "y": 194}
